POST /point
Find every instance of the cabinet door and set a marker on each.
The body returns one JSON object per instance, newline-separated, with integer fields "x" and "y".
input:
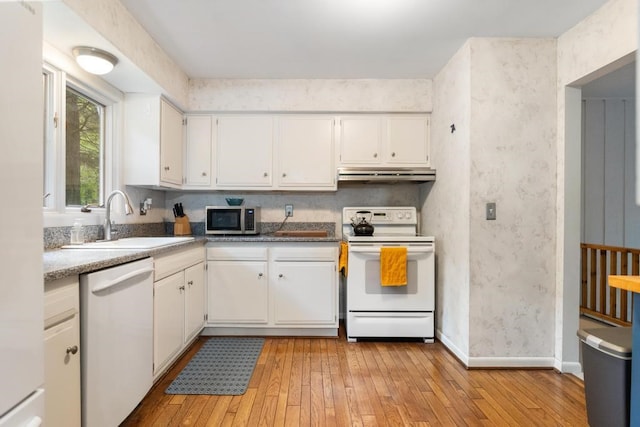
{"x": 199, "y": 144}
{"x": 194, "y": 300}
{"x": 408, "y": 140}
{"x": 238, "y": 291}
{"x": 306, "y": 151}
{"x": 62, "y": 373}
{"x": 304, "y": 292}
{"x": 244, "y": 151}
{"x": 360, "y": 140}
{"x": 170, "y": 143}
{"x": 168, "y": 318}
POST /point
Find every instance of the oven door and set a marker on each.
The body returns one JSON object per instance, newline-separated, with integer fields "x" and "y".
{"x": 365, "y": 292}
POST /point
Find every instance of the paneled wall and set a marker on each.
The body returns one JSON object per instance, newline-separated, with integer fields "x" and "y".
{"x": 610, "y": 215}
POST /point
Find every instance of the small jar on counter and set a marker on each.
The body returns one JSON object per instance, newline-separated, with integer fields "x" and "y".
{"x": 77, "y": 233}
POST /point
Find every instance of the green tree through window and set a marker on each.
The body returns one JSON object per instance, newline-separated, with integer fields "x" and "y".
{"x": 83, "y": 149}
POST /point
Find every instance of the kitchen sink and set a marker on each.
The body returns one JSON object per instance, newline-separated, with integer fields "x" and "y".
{"x": 132, "y": 243}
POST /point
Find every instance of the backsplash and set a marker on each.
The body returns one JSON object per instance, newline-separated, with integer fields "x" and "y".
{"x": 54, "y": 237}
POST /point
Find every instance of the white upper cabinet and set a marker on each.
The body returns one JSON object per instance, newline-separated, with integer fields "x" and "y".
{"x": 199, "y": 147}
{"x": 407, "y": 139}
{"x": 244, "y": 152}
{"x": 171, "y": 143}
{"x": 360, "y": 140}
{"x": 275, "y": 152}
{"x": 306, "y": 152}
{"x": 385, "y": 140}
{"x": 153, "y": 142}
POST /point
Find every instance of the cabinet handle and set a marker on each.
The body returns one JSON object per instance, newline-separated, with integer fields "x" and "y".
{"x": 375, "y": 155}
{"x": 281, "y": 275}
{"x": 166, "y": 168}
{"x": 393, "y": 154}
{"x": 72, "y": 350}
{"x": 284, "y": 175}
{"x": 260, "y": 275}
{"x": 265, "y": 175}
{"x": 181, "y": 288}
{"x": 190, "y": 282}
{"x": 204, "y": 174}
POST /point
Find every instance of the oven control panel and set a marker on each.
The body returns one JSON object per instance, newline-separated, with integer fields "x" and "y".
{"x": 382, "y": 215}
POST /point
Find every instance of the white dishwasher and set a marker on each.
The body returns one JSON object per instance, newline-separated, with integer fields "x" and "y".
{"x": 116, "y": 337}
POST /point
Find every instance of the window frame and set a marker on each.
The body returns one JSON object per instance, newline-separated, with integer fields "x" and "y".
{"x": 55, "y": 210}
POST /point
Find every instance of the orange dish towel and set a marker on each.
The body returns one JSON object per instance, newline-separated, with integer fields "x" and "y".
{"x": 344, "y": 258}
{"x": 393, "y": 266}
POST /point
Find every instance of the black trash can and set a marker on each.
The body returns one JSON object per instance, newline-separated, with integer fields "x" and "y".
{"x": 606, "y": 364}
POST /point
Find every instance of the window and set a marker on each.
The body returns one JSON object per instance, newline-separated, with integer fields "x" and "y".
{"x": 77, "y": 143}
{"x": 84, "y": 136}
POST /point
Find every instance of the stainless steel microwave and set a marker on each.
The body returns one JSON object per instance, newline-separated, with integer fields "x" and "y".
{"x": 232, "y": 220}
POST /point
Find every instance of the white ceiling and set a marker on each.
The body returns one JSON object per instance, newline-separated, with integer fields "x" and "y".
{"x": 339, "y": 38}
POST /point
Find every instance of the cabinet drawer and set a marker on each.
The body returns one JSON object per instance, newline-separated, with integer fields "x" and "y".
{"x": 234, "y": 253}
{"x": 61, "y": 300}
{"x": 307, "y": 253}
{"x": 166, "y": 265}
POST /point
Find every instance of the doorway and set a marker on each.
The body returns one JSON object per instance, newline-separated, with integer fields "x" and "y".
{"x": 600, "y": 83}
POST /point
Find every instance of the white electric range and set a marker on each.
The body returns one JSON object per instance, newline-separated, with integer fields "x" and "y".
{"x": 376, "y": 311}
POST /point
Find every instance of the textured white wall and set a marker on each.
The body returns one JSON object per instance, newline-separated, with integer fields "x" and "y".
{"x": 307, "y": 207}
{"x": 408, "y": 95}
{"x": 604, "y": 41}
{"x": 513, "y": 138}
{"x": 445, "y": 214}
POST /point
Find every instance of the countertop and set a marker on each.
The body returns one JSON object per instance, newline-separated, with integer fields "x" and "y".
{"x": 60, "y": 263}
{"x": 263, "y": 238}
{"x": 628, "y": 283}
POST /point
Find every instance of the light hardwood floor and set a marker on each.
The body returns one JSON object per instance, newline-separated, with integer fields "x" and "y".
{"x": 318, "y": 382}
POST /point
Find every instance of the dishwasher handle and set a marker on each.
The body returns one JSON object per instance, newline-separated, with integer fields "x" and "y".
{"x": 111, "y": 283}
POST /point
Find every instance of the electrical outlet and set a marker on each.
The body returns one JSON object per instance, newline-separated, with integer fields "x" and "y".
{"x": 491, "y": 211}
{"x": 288, "y": 210}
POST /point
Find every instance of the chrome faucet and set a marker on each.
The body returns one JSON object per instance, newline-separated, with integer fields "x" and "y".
{"x": 128, "y": 209}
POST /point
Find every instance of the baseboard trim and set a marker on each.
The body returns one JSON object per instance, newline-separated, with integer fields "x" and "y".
{"x": 574, "y": 368}
{"x": 511, "y": 362}
{"x": 453, "y": 349}
{"x": 276, "y": 332}
{"x": 496, "y": 362}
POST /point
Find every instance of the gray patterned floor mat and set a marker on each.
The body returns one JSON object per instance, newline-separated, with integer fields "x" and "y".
{"x": 222, "y": 366}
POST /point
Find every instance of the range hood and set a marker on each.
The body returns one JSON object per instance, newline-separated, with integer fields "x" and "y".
{"x": 386, "y": 175}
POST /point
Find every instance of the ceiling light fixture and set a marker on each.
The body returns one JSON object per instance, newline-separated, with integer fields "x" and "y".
{"x": 94, "y": 60}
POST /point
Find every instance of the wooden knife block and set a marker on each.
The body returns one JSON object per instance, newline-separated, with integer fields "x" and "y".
{"x": 182, "y": 226}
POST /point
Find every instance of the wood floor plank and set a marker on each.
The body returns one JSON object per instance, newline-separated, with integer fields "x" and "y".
{"x": 305, "y": 405}
{"x": 244, "y": 408}
{"x": 330, "y": 382}
{"x": 219, "y": 411}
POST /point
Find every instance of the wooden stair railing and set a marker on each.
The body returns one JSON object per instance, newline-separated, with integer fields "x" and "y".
{"x": 598, "y": 299}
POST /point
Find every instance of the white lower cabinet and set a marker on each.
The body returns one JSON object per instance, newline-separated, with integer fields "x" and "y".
{"x": 303, "y": 292}
{"x": 238, "y": 291}
{"x": 194, "y": 300}
{"x": 178, "y": 304}
{"x": 62, "y": 352}
{"x": 168, "y": 309}
{"x": 272, "y": 288}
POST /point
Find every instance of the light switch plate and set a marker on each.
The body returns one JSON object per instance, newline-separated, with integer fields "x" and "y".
{"x": 491, "y": 211}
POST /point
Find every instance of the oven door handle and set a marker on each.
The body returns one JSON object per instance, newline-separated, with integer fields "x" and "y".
{"x": 375, "y": 250}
